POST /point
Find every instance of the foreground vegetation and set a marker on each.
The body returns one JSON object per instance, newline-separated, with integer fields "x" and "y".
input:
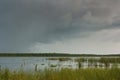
{"x": 63, "y": 74}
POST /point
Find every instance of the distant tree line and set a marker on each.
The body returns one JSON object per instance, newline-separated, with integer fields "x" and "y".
{"x": 54, "y": 55}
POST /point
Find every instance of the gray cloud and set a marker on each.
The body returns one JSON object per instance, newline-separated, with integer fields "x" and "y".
{"x": 24, "y": 22}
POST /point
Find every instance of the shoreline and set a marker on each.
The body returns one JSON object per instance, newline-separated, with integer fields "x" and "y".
{"x": 54, "y": 55}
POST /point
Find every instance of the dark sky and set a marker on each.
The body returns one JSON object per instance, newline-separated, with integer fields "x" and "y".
{"x": 73, "y": 26}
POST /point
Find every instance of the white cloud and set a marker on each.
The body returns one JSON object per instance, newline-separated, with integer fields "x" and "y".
{"x": 99, "y": 42}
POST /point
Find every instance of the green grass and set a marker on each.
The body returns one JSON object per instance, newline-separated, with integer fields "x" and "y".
{"x": 63, "y": 74}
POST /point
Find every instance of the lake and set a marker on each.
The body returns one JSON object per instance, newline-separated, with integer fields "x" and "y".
{"x": 41, "y": 63}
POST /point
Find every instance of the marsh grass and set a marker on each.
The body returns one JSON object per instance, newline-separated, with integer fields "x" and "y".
{"x": 60, "y": 59}
{"x": 63, "y": 74}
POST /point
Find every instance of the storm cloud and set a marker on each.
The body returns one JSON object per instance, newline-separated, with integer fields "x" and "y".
{"x": 25, "y": 22}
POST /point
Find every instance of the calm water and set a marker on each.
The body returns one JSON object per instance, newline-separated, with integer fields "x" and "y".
{"x": 41, "y": 63}
{"x": 29, "y": 63}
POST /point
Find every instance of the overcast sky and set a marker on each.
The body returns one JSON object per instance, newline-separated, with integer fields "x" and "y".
{"x": 69, "y": 26}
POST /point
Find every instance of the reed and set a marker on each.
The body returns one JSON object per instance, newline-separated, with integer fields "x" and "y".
{"x": 63, "y": 74}
{"x": 60, "y": 59}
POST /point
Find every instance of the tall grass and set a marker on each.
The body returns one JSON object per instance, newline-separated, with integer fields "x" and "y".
{"x": 63, "y": 74}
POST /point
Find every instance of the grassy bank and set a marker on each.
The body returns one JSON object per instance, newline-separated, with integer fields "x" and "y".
{"x": 64, "y": 74}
